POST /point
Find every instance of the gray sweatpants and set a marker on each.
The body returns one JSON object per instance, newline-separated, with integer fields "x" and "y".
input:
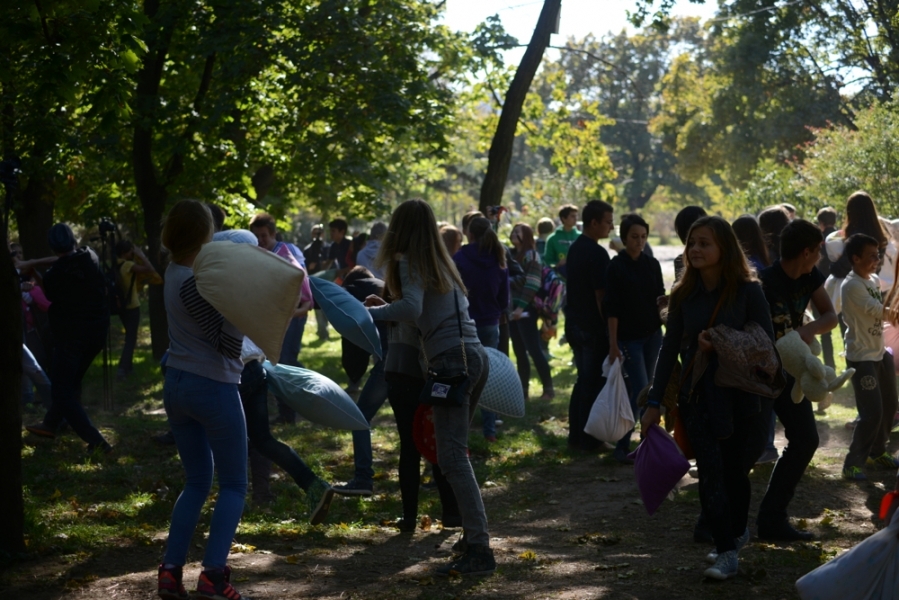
{"x": 874, "y": 383}
{"x": 451, "y": 432}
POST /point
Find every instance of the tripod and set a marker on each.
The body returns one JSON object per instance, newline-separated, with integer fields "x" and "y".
{"x": 107, "y": 264}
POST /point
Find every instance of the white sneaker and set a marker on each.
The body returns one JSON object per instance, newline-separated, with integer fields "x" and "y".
{"x": 741, "y": 542}
{"x": 726, "y": 566}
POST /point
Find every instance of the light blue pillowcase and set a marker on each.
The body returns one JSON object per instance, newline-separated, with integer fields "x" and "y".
{"x": 314, "y": 396}
{"x": 348, "y": 316}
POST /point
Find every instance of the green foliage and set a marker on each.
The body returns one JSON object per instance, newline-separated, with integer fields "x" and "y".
{"x": 65, "y": 83}
{"x": 622, "y": 74}
{"x": 843, "y": 160}
{"x": 770, "y": 183}
{"x": 568, "y": 129}
{"x": 750, "y": 95}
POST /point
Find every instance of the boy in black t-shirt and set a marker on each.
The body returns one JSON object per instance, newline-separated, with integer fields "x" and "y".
{"x": 790, "y": 284}
{"x": 585, "y": 327}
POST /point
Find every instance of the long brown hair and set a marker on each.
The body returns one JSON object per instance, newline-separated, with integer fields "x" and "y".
{"x": 861, "y": 217}
{"x": 413, "y": 235}
{"x": 734, "y": 268}
{"x": 526, "y": 237}
{"x": 751, "y": 238}
{"x": 481, "y": 233}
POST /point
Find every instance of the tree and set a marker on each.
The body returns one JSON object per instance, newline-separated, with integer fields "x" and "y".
{"x": 273, "y": 102}
{"x": 500, "y": 155}
{"x": 752, "y": 96}
{"x": 64, "y": 84}
{"x": 622, "y": 73}
{"x": 842, "y": 160}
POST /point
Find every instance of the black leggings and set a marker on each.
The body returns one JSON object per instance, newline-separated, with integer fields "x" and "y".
{"x": 724, "y": 488}
{"x": 403, "y": 393}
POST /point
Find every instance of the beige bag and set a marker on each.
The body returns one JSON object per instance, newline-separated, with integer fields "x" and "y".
{"x": 747, "y": 360}
{"x": 254, "y": 289}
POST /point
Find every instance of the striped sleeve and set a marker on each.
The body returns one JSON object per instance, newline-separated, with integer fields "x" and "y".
{"x": 533, "y": 281}
{"x": 210, "y": 321}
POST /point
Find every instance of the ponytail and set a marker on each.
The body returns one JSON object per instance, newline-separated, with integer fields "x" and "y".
{"x": 482, "y": 233}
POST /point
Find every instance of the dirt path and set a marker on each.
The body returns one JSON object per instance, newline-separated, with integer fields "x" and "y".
{"x": 572, "y": 527}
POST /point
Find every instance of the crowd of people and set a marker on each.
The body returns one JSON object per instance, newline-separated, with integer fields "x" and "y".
{"x": 440, "y": 295}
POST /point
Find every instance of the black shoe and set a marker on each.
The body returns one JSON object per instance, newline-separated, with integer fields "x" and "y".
{"x": 354, "y": 487}
{"x": 622, "y": 457}
{"x": 461, "y": 545}
{"x": 782, "y": 532}
{"x": 477, "y": 560}
{"x": 165, "y": 439}
{"x": 406, "y": 525}
{"x": 98, "y": 450}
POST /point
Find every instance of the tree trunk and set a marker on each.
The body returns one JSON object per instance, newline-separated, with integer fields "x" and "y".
{"x": 34, "y": 216}
{"x": 12, "y": 506}
{"x": 152, "y": 193}
{"x": 500, "y": 156}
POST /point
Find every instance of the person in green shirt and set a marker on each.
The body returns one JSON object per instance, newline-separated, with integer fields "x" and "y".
{"x": 560, "y": 241}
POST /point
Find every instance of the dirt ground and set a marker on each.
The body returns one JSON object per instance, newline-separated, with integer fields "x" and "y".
{"x": 573, "y": 532}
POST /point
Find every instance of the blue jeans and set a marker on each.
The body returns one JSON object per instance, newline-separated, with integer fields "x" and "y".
{"x": 371, "y": 398}
{"x": 290, "y": 350}
{"x": 34, "y": 376}
{"x": 254, "y": 397}
{"x": 640, "y": 358}
{"x": 208, "y": 422}
{"x": 71, "y": 359}
{"x": 489, "y": 337}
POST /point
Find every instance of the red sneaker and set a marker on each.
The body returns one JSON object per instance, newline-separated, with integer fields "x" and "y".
{"x": 169, "y": 584}
{"x": 216, "y": 585}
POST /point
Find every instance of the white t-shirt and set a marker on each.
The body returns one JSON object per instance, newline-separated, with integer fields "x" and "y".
{"x": 862, "y": 302}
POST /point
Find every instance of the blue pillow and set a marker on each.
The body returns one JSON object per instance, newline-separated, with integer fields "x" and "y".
{"x": 502, "y": 393}
{"x": 348, "y": 316}
{"x": 314, "y": 396}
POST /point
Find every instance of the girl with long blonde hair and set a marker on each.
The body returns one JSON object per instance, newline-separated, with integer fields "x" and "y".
{"x": 428, "y": 292}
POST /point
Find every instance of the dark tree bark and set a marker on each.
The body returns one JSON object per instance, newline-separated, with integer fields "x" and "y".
{"x": 12, "y": 506}
{"x": 152, "y": 186}
{"x": 500, "y": 156}
{"x": 34, "y": 216}
{"x": 151, "y": 192}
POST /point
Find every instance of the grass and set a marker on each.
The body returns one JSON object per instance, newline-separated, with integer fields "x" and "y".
{"x": 77, "y": 508}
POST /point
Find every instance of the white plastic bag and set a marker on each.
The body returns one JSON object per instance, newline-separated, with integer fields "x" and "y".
{"x": 611, "y": 416}
{"x": 869, "y": 571}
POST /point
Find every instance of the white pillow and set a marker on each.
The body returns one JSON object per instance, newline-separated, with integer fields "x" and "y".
{"x": 256, "y": 290}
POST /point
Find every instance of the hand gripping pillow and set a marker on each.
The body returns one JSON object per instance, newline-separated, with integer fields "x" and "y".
{"x": 502, "y": 393}
{"x": 314, "y": 396}
{"x": 348, "y": 316}
{"x": 257, "y": 291}
{"x": 658, "y": 465}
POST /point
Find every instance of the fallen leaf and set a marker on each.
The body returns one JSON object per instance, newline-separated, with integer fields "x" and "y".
{"x": 528, "y": 555}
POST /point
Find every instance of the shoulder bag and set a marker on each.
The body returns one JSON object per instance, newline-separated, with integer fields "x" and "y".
{"x": 444, "y": 389}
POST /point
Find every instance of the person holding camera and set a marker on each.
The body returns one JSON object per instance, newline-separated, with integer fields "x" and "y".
{"x": 131, "y": 264}
{"x": 79, "y": 320}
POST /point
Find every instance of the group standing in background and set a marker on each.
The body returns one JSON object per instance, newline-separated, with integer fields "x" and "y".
{"x": 441, "y": 295}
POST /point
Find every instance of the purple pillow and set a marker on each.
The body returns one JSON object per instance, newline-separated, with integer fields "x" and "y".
{"x": 658, "y": 465}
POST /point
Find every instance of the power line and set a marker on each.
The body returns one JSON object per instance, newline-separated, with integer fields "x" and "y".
{"x": 754, "y": 12}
